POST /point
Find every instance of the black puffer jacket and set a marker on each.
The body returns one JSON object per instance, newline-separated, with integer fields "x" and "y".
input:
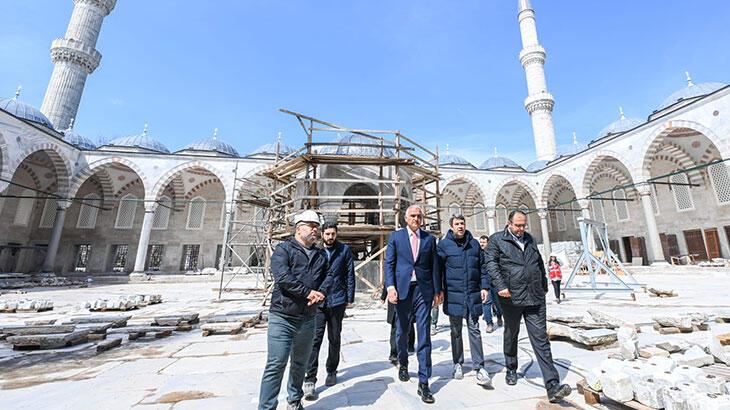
{"x": 295, "y": 275}
{"x": 523, "y": 273}
{"x": 461, "y": 270}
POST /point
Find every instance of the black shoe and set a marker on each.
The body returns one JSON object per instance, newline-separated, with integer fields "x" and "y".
{"x": 403, "y": 374}
{"x": 425, "y": 393}
{"x": 499, "y": 321}
{"x": 558, "y": 392}
{"x": 393, "y": 359}
{"x": 511, "y": 377}
{"x": 411, "y": 350}
{"x": 331, "y": 379}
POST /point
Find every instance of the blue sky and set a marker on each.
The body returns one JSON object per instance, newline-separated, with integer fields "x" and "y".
{"x": 439, "y": 71}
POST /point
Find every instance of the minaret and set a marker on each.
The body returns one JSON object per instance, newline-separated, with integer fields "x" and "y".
{"x": 539, "y": 103}
{"x": 74, "y": 57}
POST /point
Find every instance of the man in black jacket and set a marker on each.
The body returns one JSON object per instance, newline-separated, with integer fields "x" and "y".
{"x": 332, "y": 311}
{"x": 301, "y": 281}
{"x": 518, "y": 274}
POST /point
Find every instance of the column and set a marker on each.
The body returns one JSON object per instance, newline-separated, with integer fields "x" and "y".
{"x": 144, "y": 237}
{"x": 49, "y": 261}
{"x": 491, "y": 222}
{"x": 546, "y": 248}
{"x": 656, "y": 254}
{"x": 229, "y": 214}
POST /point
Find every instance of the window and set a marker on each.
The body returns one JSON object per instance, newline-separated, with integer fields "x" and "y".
{"x": 125, "y": 213}
{"x": 597, "y": 207}
{"x": 619, "y": 203}
{"x": 682, "y": 193}
{"x": 154, "y": 257}
{"x": 25, "y": 207}
{"x": 196, "y": 212}
{"x": 120, "y": 258}
{"x": 162, "y": 213}
{"x": 88, "y": 212}
{"x": 560, "y": 215}
{"x": 82, "y": 257}
{"x": 48, "y": 217}
{"x": 721, "y": 182}
{"x": 501, "y": 217}
{"x": 190, "y": 257}
{"x": 479, "y": 221}
{"x": 653, "y": 196}
{"x": 454, "y": 209}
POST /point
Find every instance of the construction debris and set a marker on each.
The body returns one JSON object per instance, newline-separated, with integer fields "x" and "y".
{"x": 123, "y": 303}
{"x": 593, "y": 339}
{"x": 115, "y": 320}
{"x": 661, "y": 293}
{"x": 36, "y": 330}
{"x": 230, "y": 328}
{"x": 108, "y": 344}
{"x": 48, "y": 341}
{"x": 686, "y": 323}
{"x": 26, "y": 306}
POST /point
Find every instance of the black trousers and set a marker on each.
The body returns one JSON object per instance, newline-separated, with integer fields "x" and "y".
{"x": 411, "y": 339}
{"x": 556, "y": 287}
{"x": 331, "y": 318}
{"x": 537, "y": 331}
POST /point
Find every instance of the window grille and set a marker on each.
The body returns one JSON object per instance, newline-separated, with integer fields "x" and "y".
{"x": 654, "y": 196}
{"x": 196, "y": 212}
{"x": 721, "y": 182}
{"x": 120, "y": 258}
{"x": 88, "y": 212}
{"x": 597, "y": 207}
{"x": 155, "y": 257}
{"x": 682, "y": 193}
{"x": 501, "y": 217}
{"x": 480, "y": 224}
{"x": 622, "y": 210}
{"x": 162, "y": 213}
{"x": 126, "y": 212}
{"x": 190, "y": 257}
{"x": 48, "y": 217}
{"x": 576, "y": 214}
{"x": 562, "y": 227}
{"x": 83, "y": 252}
{"x": 25, "y": 207}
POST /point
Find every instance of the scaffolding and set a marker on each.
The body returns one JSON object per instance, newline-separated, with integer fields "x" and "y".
{"x": 363, "y": 184}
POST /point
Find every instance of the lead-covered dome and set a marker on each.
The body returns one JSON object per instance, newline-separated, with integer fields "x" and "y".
{"x": 72, "y": 137}
{"x": 25, "y": 111}
{"x": 357, "y": 146}
{"x": 448, "y": 159}
{"x": 620, "y": 126}
{"x": 212, "y": 144}
{"x": 270, "y": 149}
{"x": 498, "y": 162}
{"x": 141, "y": 141}
{"x": 692, "y": 90}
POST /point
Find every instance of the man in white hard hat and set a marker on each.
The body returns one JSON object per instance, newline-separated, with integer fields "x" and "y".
{"x": 300, "y": 283}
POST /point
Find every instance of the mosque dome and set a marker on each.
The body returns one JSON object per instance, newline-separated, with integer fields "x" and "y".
{"x": 72, "y": 137}
{"x": 537, "y": 165}
{"x": 142, "y": 141}
{"x": 620, "y": 126}
{"x": 498, "y": 162}
{"x": 352, "y": 149}
{"x": 692, "y": 90}
{"x": 448, "y": 159}
{"x": 22, "y": 110}
{"x": 269, "y": 149}
{"x": 212, "y": 144}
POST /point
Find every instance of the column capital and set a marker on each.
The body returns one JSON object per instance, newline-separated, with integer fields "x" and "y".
{"x": 543, "y": 214}
{"x": 490, "y": 213}
{"x": 644, "y": 189}
{"x": 63, "y": 204}
{"x": 584, "y": 203}
{"x": 150, "y": 206}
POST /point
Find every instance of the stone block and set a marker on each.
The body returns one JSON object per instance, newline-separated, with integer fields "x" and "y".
{"x": 727, "y": 387}
{"x": 558, "y": 330}
{"x": 602, "y": 317}
{"x": 709, "y": 383}
{"x": 669, "y": 347}
{"x": 674, "y": 398}
{"x": 36, "y": 330}
{"x": 638, "y": 371}
{"x": 221, "y": 328}
{"x": 680, "y": 322}
{"x": 563, "y": 317}
{"x": 688, "y": 373}
{"x": 662, "y": 364}
{"x": 628, "y": 342}
{"x": 593, "y": 378}
{"x": 669, "y": 330}
{"x": 667, "y": 379}
{"x": 694, "y": 356}
{"x": 651, "y": 351}
{"x": 709, "y": 401}
{"x": 648, "y": 393}
{"x": 715, "y": 349}
{"x": 595, "y": 337}
{"x": 617, "y": 386}
{"x": 612, "y": 365}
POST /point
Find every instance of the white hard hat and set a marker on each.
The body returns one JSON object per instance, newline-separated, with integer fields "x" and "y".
{"x": 307, "y": 216}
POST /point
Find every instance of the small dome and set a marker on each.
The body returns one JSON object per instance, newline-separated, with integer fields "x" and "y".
{"x": 619, "y": 127}
{"x": 270, "y": 149}
{"x": 22, "y": 110}
{"x": 354, "y": 149}
{"x": 76, "y": 139}
{"x": 498, "y": 162}
{"x": 537, "y": 165}
{"x": 692, "y": 90}
{"x": 212, "y": 144}
{"x": 142, "y": 141}
{"x": 455, "y": 160}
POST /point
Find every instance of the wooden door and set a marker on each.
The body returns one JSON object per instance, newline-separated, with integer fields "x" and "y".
{"x": 613, "y": 244}
{"x": 695, "y": 244}
{"x": 670, "y": 245}
{"x": 638, "y": 248}
{"x": 627, "y": 248}
{"x": 713, "y": 243}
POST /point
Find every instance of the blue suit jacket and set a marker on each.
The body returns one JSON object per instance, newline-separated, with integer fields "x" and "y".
{"x": 399, "y": 264}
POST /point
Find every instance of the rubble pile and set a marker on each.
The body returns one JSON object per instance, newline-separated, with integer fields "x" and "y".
{"x": 26, "y": 305}
{"x": 691, "y": 322}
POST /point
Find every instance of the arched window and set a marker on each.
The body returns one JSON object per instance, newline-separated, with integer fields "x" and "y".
{"x": 162, "y": 213}
{"x": 501, "y": 217}
{"x": 597, "y": 208}
{"x": 682, "y": 194}
{"x": 480, "y": 223}
{"x": 196, "y": 213}
{"x": 49, "y": 214}
{"x": 25, "y": 207}
{"x": 126, "y": 212}
{"x": 454, "y": 209}
{"x": 721, "y": 182}
{"x": 619, "y": 203}
{"x": 562, "y": 226}
{"x": 88, "y": 212}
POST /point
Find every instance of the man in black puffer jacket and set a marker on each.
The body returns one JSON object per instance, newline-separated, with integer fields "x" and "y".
{"x": 301, "y": 281}
{"x": 518, "y": 274}
{"x": 465, "y": 286}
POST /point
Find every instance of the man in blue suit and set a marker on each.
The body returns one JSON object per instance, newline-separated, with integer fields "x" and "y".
{"x": 413, "y": 280}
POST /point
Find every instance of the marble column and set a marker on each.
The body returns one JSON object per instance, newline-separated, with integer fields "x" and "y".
{"x": 52, "y": 250}
{"x": 656, "y": 254}
{"x": 546, "y": 248}
{"x": 491, "y": 222}
{"x": 144, "y": 237}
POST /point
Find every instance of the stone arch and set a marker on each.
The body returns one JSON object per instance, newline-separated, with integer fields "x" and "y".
{"x": 61, "y": 164}
{"x": 4, "y": 163}
{"x": 469, "y": 178}
{"x": 656, "y": 138}
{"x": 159, "y": 187}
{"x": 556, "y": 177}
{"x": 90, "y": 170}
{"x": 536, "y": 199}
{"x": 595, "y": 166}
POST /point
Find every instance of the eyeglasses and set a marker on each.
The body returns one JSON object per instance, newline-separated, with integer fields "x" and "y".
{"x": 520, "y": 225}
